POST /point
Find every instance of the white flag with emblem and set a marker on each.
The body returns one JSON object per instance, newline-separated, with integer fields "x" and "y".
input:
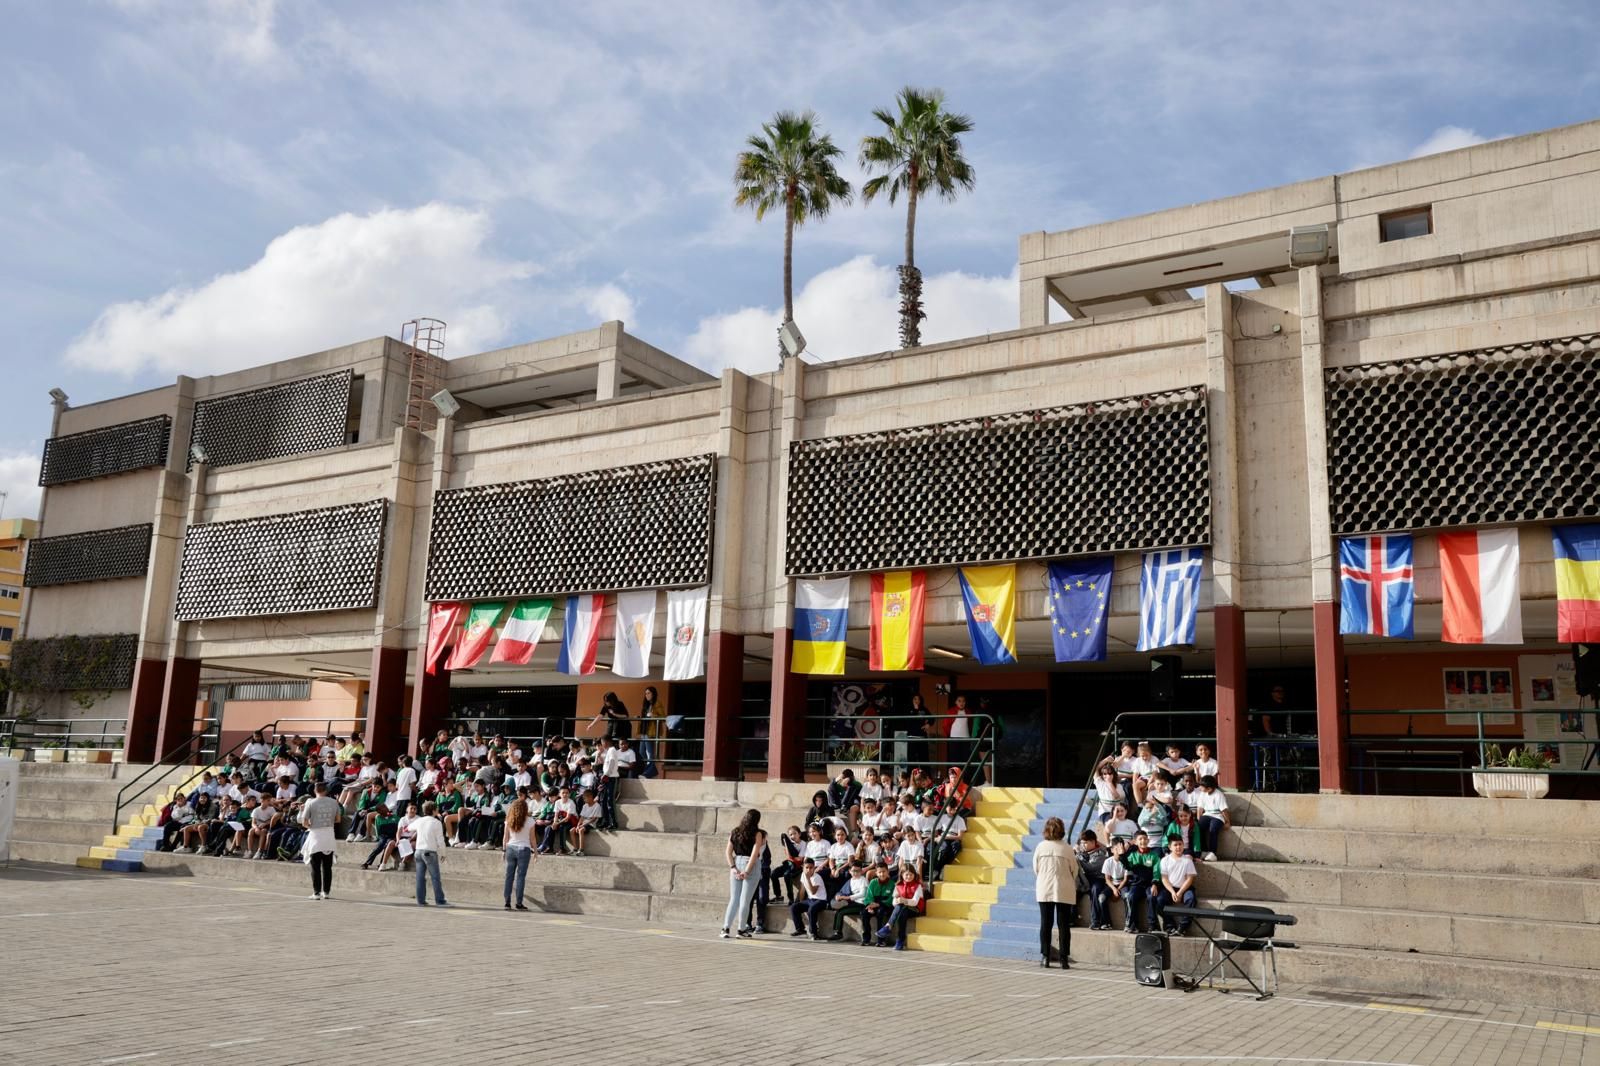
{"x": 636, "y": 628}
{"x": 686, "y": 633}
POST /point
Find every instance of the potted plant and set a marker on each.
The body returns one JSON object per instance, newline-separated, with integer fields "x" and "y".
{"x": 855, "y": 757}
{"x": 1521, "y": 773}
{"x": 84, "y": 751}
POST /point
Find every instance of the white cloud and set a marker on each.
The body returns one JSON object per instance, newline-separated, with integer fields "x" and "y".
{"x": 853, "y": 309}
{"x": 348, "y": 278}
{"x": 608, "y": 302}
{"x": 1448, "y": 139}
{"x": 19, "y": 480}
{"x": 233, "y": 31}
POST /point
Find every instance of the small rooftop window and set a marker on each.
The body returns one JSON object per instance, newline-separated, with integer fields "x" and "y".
{"x": 1399, "y": 225}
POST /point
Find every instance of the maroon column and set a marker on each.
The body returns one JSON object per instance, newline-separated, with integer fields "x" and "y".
{"x": 1333, "y": 755}
{"x": 144, "y": 710}
{"x": 724, "y": 706}
{"x": 386, "y": 702}
{"x": 430, "y": 705}
{"x": 786, "y": 748}
{"x": 1232, "y": 749}
{"x": 178, "y": 697}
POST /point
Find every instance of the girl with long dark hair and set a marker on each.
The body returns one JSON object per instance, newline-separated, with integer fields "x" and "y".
{"x": 746, "y": 844}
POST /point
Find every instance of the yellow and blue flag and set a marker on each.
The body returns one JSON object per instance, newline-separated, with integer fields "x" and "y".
{"x": 1577, "y": 550}
{"x": 990, "y": 595}
{"x": 821, "y": 611}
{"x": 1080, "y": 594}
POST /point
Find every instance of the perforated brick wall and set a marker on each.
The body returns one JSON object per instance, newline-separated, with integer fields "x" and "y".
{"x": 106, "y": 451}
{"x": 293, "y": 418}
{"x": 99, "y": 555}
{"x": 74, "y": 664}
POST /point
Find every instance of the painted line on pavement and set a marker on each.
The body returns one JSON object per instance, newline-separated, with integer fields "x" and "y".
{"x": 1563, "y": 1027}
{"x": 503, "y": 1013}
{"x": 659, "y": 1002}
{"x": 340, "y": 1029}
{"x": 130, "y": 1058}
{"x": 1401, "y": 1007}
{"x": 236, "y": 1043}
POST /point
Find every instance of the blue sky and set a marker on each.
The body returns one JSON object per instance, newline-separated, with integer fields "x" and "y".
{"x": 189, "y": 186}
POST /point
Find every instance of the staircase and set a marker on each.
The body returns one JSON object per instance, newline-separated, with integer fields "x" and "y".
{"x": 64, "y": 810}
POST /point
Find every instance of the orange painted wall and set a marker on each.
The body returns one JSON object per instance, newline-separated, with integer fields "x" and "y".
{"x": 1415, "y": 681}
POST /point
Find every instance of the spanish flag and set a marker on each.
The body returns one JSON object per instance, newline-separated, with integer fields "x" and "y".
{"x": 821, "y": 610}
{"x": 1577, "y": 550}
{"x": 990, "y": 594}
{"x": 897, "y": 599}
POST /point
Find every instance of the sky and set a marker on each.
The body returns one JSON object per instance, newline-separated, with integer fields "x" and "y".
{"x": 193, "y": 186}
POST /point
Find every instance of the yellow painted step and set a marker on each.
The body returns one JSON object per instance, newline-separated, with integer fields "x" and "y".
{"x": 970, "y": 893}
{"x": 949, "y": 926}
{"x": 89, "y": 864}
{"x": 102, "y": 853}
{"x": 974, "y": 875}
{"x": 949, "y": 945}
{"x": 114, "y": 842}
{"x": 996, "y": 860}
{"x": 1012, "y": 795}
{"x": 959, "y": 910}
{"x": 1007, "y": 826}
{"x": 1006, "y": 842}
{"x": 1003, "y": 809}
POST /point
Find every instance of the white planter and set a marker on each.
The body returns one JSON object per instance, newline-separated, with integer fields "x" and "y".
{"x": 88, "y": 755}
{"x": 1511, "y": 784}
{"x": 49, "y": 755}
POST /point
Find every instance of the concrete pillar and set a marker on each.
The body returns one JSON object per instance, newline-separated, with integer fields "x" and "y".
{"x": 724, "y": 706}
{"x": 430, "y": 693}
{"x": 1232, "y": 748}
{"x": 180, "y": 692}
{"x": 386, "y": 698}
{"x": 1035, "y": 303}
{"x": 430, "y": 704}
{"x": 144, "y": 710}
{"x": 386, "y": 702}
{"x": 1333, "y": 744}
{"x": 786, "y": 744}
{"x": 608, "y": 383}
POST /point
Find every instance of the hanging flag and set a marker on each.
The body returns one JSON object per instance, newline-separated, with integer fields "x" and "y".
{"x": 1169, "y": 597}
{"x": 1577, "y": 551}
{"x": 897, "y": 606}
{"x": 821, "y": 611}
{"x": 686, "y": 633}
{"x": 990, "y": 596}
{"x": 1482, "y": 594}
{"x": 634, "y": 631}
{"x": 442, "y": 621}
{"x": 520, "y": 635}
{"x": 580, "y": 634}
{"x": 1377, "y": 590}
{"x": 1079, "y": 597}
{"x": 481, "y": 620}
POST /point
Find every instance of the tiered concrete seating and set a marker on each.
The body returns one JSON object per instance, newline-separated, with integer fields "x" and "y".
{"x": 64, "y": 811}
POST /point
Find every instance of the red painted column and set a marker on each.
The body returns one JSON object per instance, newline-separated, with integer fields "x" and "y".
{"x": 386, "y": 702}
{"x": 724, "y": 706}
{"x": 786, "y": 748}
{"x": 1233, "y": 751}
{"x": 144, "y": 710}
{"x": 178, "y": 697}
{"x": 1333, "y": 747}
{"x": 430, "y": 705}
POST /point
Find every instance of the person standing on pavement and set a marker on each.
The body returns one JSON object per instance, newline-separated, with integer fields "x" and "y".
{"x": 519, "y": 850}
{"x": 744, "y": 851}
{"x": 428, "y": 832}
{"x": 321, "y": 819}
{"x": 1055, "y": 886}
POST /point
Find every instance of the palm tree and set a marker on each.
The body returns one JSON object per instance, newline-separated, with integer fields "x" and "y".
{"x": 919, "y": 150}
{"x": 790, "y": 162}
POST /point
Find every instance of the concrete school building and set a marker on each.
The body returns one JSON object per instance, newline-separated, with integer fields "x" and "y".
{"x": 1406, "y": 348}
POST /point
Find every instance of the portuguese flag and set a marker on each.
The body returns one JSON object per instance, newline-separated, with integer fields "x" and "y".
{"x": 475, "y": 638}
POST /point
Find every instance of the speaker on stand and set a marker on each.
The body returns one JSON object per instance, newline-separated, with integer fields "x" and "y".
{"x": 1586, "y": 679}
{"x": 1152, "y": 960}
{"x": 1164, "y": 673}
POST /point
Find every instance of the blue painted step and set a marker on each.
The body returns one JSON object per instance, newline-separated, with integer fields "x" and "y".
{"x": 1007, "y": 949}
{"x": 122, "y": 866}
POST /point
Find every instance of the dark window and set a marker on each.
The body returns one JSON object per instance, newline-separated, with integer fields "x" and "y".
{"x": 1412, "y": 222}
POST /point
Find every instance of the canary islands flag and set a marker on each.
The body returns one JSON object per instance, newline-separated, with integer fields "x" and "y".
{"x": 821, "y": 610}
{"x": 1080, "y": 593}
{"x": 1577, "y": 551}
{"x": 897, "y": 599}
{"x": 990, "y": 595}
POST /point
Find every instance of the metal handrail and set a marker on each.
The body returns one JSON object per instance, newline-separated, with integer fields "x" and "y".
{"x": 9, "y": 734}
{"x": 982, "y": 745}
{"x": 1110, "y": 741}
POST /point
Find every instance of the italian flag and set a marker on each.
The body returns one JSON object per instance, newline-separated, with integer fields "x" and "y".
{"x": 520, "y": 635}
{"x": 475, "y": 638}
{"x": 580, "y": 637}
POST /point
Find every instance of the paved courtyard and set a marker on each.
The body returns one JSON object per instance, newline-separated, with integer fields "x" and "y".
{"x": 100, "y": 969}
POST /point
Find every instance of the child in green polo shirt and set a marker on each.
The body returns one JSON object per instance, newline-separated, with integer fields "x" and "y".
{"x": 1144, "y": 864}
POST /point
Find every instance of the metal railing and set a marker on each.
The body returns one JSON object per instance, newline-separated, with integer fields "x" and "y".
{"x": 986, "y": 731}
{"x": 64, "y": 732}
{"x": 1374, "y": 755}
{"x": 1111, "y": 741}
{"x": 897, "y": 742}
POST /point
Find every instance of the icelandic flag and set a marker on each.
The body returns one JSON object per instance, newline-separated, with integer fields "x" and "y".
{"x": 990, "y": 596}
{"x": 1482, "y": 596}
{"x": 1377, "y": 586}
{"x": 580, "y": 634}
{"x": 1577, "y": 550}
{"x": 1169, "y": 597}
{"x": 1079, "y": 596}
{"x": 821, "y": 612}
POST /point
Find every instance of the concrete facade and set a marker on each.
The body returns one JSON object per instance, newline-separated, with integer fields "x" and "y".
{"x": 1198, "y": 296}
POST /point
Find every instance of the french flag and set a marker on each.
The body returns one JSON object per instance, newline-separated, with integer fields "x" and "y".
{"x": 580, "y": 637}
{"x": 1482, "y": 597}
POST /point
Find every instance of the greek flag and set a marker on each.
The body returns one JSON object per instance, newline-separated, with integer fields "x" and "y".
{"x": 1169, "y": 593}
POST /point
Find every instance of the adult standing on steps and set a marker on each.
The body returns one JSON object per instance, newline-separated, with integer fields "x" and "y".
{"x": 746, "y": 844}
{"x": 321, "y": 819}
{"x": 1055, "y": 886}
{"x": 429, "y": 834}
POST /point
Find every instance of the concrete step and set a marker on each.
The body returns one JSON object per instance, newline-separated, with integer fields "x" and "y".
{"x": 1429, "y": 815}
{"x": 677, "y": 818}
{"x": 99, "y": 813}
{"x": 62, "y": 771}
{"x": 1398, "y": 849}
{"x": 54, "y": 831}
{"x": 47, "y": 851}
{"x": 58, "y": 788}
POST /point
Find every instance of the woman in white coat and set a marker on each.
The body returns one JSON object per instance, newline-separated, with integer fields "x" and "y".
{"x": 1055, "y": 886}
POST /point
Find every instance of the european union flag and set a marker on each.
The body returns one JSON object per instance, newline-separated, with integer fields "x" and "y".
{"x": 1080, "y": 593}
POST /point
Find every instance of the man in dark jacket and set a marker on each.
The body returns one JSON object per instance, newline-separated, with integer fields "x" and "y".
{"x": 844, "y": 796}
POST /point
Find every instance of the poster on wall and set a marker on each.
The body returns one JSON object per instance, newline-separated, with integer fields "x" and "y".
{"x": 1561, "y": 724}
{"x": 1470, "y": 690}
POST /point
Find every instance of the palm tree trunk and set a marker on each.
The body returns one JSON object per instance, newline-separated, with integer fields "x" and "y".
{"x": 911, "y": 314}
{"x": 788, "y": 256}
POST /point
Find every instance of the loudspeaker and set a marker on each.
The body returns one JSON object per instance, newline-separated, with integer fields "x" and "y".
{"x": 1152, "y": 960}
{"x": 1164, "y": 672}
{"x": 1586, "y": 669}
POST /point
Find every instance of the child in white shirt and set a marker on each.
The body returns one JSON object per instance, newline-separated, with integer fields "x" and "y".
{"x": 1204, "y": 765}
{"x": 909, "y": 853}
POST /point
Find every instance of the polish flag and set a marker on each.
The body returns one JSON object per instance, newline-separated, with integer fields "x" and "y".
{"x": 580, "y": 637}
{"x": 1482, "y": 596}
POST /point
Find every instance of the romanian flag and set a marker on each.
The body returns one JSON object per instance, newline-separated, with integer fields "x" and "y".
{"x": 897, "y": 599}
{"x": 481, "y": 620}
{"x": 990, "y": 595}
{"x": 1577, "y": 583}
{"x": 821, "y": 611}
